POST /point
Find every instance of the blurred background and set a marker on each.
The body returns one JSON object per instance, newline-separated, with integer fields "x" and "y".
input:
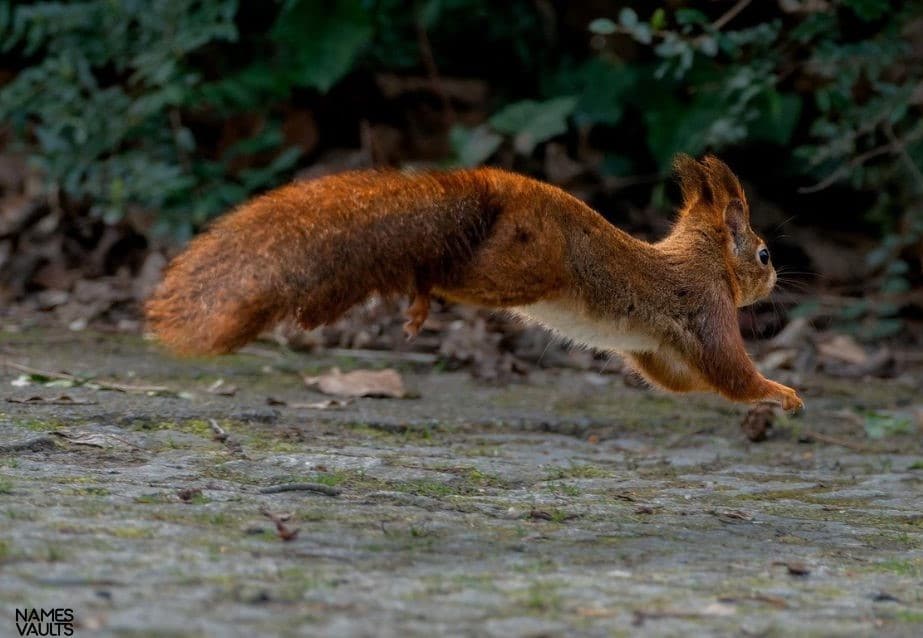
{"x": 125, "y": 125}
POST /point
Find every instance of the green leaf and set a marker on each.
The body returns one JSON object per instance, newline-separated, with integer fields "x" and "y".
{"x": 675, "y": 127}
{"x": 690, "y": 16}
{"x": 602, "y": 26}
{"x": 320, "y": 40}
{"x": 473, "y": 146}
{"x": 659, "y": 19}
{"x": 878, "y": 425}
{"x": 532, "y": 122}
{"x": 868, "y": 10}
{"x": 628, "y": 18}
{"x": 778, "y": 117}
{"x": 603, "y": 87}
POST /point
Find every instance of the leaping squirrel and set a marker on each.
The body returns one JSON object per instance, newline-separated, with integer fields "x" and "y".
{"x": 311, "y": 250}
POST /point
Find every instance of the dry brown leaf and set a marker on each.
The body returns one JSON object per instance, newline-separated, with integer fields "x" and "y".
{"x": 758, "y": 421}
{"x": 221, "y": 389}
{"x": 360, "y": 383}
{"x": 794, "y": 567}
{"x": 843, "y": 348}
{"x": 783, "y": 358}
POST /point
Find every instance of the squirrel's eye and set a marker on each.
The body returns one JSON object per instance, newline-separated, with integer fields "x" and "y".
{"x": 763, "y": 256}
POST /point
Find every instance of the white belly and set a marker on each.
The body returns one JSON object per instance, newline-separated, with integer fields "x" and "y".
{"x": 567, "y": 321}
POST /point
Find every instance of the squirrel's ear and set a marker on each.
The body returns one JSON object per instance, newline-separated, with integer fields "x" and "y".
{"x": 736, "y": 219}
{"x": 721, "y": 178}
{"x": 693, "y": 180}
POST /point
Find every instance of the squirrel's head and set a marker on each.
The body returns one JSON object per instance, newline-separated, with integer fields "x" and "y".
{"x": 715, "y": 212}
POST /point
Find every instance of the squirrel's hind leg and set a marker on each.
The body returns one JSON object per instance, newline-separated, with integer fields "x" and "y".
{"x": 416, "y": 314}
{"x": 668, "y": 370}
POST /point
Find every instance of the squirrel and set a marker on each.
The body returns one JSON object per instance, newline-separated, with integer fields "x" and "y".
{"x": 312, "y": 250}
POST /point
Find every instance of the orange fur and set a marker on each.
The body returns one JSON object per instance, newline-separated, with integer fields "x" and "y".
{"x": 311, "y": 250}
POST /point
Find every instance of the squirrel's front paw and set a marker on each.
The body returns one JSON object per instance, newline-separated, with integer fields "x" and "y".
{"x": 786, "y": 396}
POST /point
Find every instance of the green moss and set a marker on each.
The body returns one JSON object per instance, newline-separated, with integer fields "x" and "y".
{"x": 55, "y": 553}
{"x": 37, "y": 425}
{"x": 157, "y": 498}
{"x": 425, "y": 487}
{"x": 89, "y": 491}
{"x": 578, "y": 471}
{"x": 911, "y": 567}
{"x": 130, "y": 532}
{"x": 909, "y": 616}
{"x": 541, "y": 597}
{"x": 564, "y": 489}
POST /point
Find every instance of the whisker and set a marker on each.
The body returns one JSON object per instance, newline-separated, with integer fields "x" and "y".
{"x": 783, "y": 223}
{"x": 542, "y": 355}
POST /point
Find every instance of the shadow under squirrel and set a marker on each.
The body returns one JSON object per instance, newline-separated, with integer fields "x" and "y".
{"x": 311, "y": 250}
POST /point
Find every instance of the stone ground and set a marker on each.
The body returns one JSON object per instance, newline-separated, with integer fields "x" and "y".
{"x": 565, "y": 505}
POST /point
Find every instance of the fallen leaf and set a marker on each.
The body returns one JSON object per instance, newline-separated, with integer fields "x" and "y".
{"x": 22, "y": 381}
{"x": 188, "y": 493}
{"x": 727, "y": 516}
{"x": 285, "y": 532}
{"x": 794, "y": 567}
{"x": 758, "y": 421}
{"x": 793, "y": 335}
{"x": 843, "y": 348}
{"x": 595, "y": 612}
{"x": 360, "y": 383}
{"x": 718, "y": 609}
{"x": 219, "y": 388}
{"x": 783, "y": 358}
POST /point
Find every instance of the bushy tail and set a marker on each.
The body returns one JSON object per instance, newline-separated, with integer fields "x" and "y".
{"x": 312, "y": 250}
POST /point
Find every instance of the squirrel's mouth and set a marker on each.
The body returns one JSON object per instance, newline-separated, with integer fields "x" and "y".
{"x": 767, "y": 289}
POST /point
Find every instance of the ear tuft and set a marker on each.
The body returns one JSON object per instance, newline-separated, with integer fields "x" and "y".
{"x": 722, "y": 178}
{"x": 693, "y": 180}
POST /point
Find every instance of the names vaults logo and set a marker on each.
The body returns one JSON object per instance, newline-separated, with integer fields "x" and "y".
{"x": 56, "y": 622}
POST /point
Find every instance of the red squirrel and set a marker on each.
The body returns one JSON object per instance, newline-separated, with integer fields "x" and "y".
{"x": 312, "y": 250}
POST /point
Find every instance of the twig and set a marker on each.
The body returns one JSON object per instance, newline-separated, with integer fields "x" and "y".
{"x": 901, "y": 149}
{"x": 639, "y": 617}
{"x": 833, "y": 440}
{"x": 894, "y": 146}
{"x": 176, "y": 126}
{"x": 429, "y": 63}
{"x": 414, "y": 357}
{"x": 729, "y": 15}
{"x": 285, "y": 532}
{"x": 220, "y": 434}
{"x": 61, "y": 400}
{"x": 105, "y": 385}
{"x": 776, "y": 601}
{"x": 320, "y": 488}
